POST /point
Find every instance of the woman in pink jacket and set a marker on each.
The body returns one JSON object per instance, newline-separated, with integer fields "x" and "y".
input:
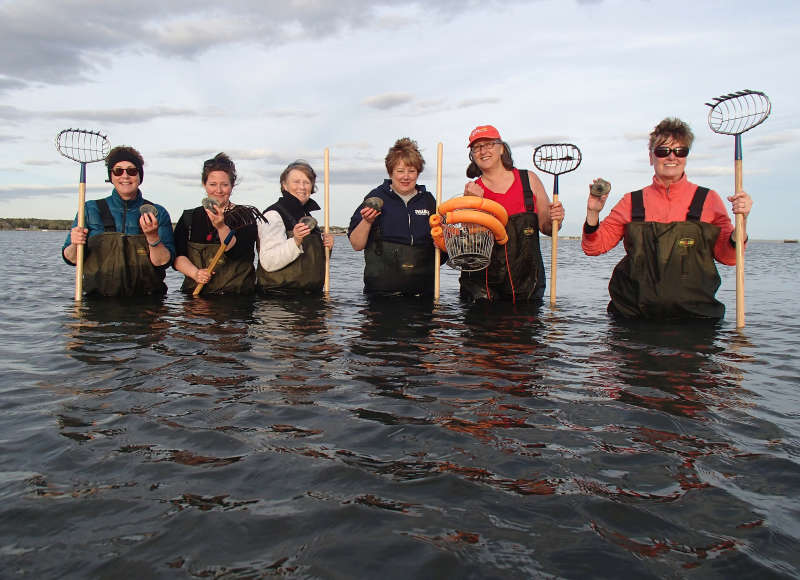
{"x": 673, "y": 231}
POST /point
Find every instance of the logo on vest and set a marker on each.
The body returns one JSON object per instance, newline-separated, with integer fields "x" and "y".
{"x": 528, "y": 232}
{"x": 142, "y": 252}
{"x": 686, "y": 242}
{"x": 422, "y": 211}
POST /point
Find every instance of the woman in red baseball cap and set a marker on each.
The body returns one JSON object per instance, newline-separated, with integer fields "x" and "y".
{"x": 516, "y": 270}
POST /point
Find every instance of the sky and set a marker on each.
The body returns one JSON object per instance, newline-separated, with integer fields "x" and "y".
{"x": 269, "y": 82}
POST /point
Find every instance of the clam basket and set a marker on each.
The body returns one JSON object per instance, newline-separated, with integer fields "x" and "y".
{"x": 469, "y": 246}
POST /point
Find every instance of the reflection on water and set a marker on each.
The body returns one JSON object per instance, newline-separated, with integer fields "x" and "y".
{"x": 248, "y": 438}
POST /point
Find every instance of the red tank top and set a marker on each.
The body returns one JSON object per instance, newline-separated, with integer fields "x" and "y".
{"x": 513, "y": 199}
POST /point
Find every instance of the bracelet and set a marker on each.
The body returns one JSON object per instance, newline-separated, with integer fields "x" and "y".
{"x": 154, "y": 244}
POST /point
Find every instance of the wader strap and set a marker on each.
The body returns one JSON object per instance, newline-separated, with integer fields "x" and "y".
{"x": 527, "y": 192}
{"x": 637, "y": 206}
{"x": 696, "y": 207}
{"x": 105, "y": 216}
{"x": 187, "y": 218}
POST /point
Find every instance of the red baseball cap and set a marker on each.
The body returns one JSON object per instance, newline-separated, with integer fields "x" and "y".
{"x": 483, "y": 132}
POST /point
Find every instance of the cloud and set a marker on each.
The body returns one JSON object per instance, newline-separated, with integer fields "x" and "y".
{"x": 637, "y": 137}
{"x": 123, "y": 116}
{"x": 120, "y": 116}
{"x": 388, "y": 100}
{"x": 7, "y": 84}
{"x": 236, "y": 154}
{"x": 773, "y": 141}
{"x": 17, "y": 191}
{"x": 68, "y": 43}
{"x": 536, "y": 141}
{"x": 9, "y": 113}
{"x": 466, "y": 103}
{"x": 723, "y": 170}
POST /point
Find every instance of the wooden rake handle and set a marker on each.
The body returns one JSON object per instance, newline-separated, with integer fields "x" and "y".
{"x": 222, "y": 247}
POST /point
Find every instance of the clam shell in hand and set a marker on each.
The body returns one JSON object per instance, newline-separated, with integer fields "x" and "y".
{"x": 600, "y": 187}
{"x": 375, "y": 203}
{"x": 308, "y": 221}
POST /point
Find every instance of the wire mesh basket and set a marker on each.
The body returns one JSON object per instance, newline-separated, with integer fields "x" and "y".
{"x": 469, "y": 246}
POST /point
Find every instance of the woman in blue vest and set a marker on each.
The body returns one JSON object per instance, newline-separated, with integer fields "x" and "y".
{"x": 127, "y": 250}
{"x": 396, "y": 238}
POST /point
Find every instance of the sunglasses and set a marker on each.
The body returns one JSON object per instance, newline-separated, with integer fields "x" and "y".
{"x": 132, "y": 171}
{"x": 662, "y": 152}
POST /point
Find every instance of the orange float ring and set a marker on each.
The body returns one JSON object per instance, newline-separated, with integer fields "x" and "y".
{"x": 437, "y": 233}
{"x": 478, "y": 217}
{"x": 475, "y": 202}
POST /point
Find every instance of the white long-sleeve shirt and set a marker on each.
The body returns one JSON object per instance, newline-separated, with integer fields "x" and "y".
{"x": 275, "y": 250}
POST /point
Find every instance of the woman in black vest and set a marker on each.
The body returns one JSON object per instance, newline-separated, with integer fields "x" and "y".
{"x": 516, "y": 271}
{"x": 291, "y": 255}
{"x": 199, "y": 231}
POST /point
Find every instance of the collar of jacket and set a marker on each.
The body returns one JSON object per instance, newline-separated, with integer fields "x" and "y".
{"x": 673, "y": 187}
{"x": 387, "y": 187}
{"x": 296, "y": 209}
{"x": 131, "y": 203}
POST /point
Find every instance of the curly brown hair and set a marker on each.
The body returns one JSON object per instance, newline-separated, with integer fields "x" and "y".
{"x": 671, "y": 128}
{"x": 220, "y": 162}
{"x": 407, "y": 151}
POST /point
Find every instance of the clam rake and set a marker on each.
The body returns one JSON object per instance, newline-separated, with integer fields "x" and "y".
{"x": 556, "y": 159}
{"x": 84, "y": 147}
{"x": 734, "y": 114}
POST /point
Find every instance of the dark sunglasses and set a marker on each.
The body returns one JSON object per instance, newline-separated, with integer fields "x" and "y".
{"x": 132, "y": 171}
{"x": 662, "y": 152}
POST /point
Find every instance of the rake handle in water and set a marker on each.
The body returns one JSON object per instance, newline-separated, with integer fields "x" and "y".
{"x": 739, "y": 237}
{"x": 556, "y": 159}
{"x": 81, "y": 224}
{"x": 437, "y": 256}
{"x": 554, "y": 251}
{"x": 327, "y": 213}
{"x": 734, "y": 114}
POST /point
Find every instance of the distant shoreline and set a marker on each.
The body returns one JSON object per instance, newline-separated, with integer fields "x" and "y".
{"x": 38, "y": 225}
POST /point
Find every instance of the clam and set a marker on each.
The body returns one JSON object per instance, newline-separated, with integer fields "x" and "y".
{"x": 210, "y": 204}
{"x": 375, "y": 203}
{"x": 308, "y": 221}
{"x": 147, "y": 208}
{"x": 600, "y": 187}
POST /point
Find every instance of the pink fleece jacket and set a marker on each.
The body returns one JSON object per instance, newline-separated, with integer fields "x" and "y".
{"x": 663, "y": 204}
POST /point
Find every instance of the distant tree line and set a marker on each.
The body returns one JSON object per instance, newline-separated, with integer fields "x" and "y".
{"x": 42, "y": 224}
{"x": 33, "y": 224}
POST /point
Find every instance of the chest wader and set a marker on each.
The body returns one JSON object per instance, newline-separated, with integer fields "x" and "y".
{"x": 391, "y": 268}
{"x": 306, "y": 273}
{"x": 230, "y": 276}
{"x": 520, "y": 278}
{"x": 668, "y": 270}
{"x": 119, "y": 264}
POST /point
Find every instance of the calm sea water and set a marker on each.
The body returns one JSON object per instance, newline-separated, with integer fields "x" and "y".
{"x": 343, "y": 438}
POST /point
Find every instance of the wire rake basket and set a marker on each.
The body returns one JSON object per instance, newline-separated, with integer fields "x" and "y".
{"x": 469, "y": 246}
